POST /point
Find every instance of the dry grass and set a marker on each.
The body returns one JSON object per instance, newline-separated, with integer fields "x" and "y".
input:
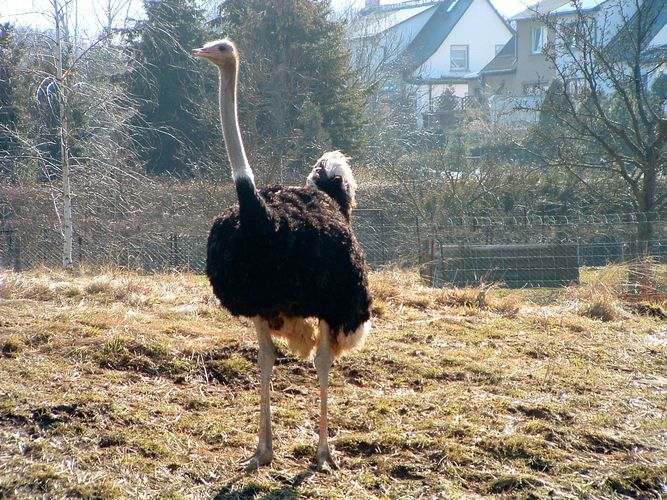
{"x": 117, "y": 385}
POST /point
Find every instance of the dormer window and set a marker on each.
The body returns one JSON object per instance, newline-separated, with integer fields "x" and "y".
{"x": 538, "y": 39}
{"x": 458, "y": 60}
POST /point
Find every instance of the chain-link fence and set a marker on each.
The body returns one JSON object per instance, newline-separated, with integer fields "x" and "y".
{"x": 145, "y": 253}
{"x": 518, "y": 252}
{"x": 535, "y": 251}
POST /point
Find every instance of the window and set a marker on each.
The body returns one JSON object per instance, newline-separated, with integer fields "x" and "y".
{"x": 538, "y": 39}
{"x": 499, "y": 48}
{"x": 459, "y": 58}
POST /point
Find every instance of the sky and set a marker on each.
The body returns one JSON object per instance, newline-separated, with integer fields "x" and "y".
{"x": 36, "y": 12}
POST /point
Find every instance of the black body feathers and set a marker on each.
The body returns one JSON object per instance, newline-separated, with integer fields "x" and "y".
{"x": 288, "y": 251}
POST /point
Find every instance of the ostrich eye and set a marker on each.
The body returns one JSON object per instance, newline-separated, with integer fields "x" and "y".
{"x": 222, "y": 48}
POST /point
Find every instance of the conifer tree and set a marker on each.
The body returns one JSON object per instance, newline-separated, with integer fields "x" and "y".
{"x": 168, "y": 82}
{"x": 10, "y": 56}
{"x": 298, "y": 94}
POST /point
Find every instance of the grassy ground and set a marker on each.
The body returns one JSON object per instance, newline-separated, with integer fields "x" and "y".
{"x": 120, "y": 385}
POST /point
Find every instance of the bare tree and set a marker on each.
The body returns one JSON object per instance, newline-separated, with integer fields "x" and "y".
{"x": 61, "y": 82}
{"x": 375, "y": 51}
{"x": 76, "y": 85}
{"x": 603, "y": 118}
{"x": 113, "y": 14}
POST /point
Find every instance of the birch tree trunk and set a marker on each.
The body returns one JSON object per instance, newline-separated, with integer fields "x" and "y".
{"x": 67, "y": 223}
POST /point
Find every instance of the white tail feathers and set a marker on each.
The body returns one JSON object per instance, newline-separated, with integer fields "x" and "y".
{"x": 334, "y": 164}
{"x": 352, "y": 340}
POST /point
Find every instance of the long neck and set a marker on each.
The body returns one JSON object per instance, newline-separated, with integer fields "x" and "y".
{"x": 230, "y": 126}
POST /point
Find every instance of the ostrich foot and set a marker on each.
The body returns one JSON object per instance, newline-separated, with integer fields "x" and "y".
{"x": 325, "y": 463}
{"x": 262, "y": 456}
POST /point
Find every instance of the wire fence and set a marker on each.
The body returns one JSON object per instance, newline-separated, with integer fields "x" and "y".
{"x": 516, "y": 252}
{"x": 145, "y": 253}
{"x": 531, "y": 251}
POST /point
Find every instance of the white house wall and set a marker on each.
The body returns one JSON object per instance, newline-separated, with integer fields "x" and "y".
{"x": 480, "y": 37}
{"x": 611, "y": 17}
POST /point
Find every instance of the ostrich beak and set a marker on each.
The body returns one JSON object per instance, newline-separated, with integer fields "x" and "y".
{"x": 202, "y": 52}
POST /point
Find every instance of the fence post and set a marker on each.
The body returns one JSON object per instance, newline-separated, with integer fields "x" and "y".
{"x": 177, "y": 256}
{"x": 419, "y": 243}
{"x": 10, "y": 254}
{"x": 383, "y": 237}
{"x": 174, "y": 251}
{"x": 80, "y": 242}
{"x": 15, "y": 251}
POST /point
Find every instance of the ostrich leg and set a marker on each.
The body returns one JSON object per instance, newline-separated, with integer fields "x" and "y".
{"x": 266, "y": 359}
{"x": 323, "y": 361}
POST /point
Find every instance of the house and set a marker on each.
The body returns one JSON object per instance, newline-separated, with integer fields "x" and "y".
{"x": 430, "y": 46}
{"x": 653, "y": 49}
{"x": 520, "y": 67}
{"x": 520, "y": 73}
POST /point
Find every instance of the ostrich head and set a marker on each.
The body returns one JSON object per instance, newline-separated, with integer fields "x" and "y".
{"x": 222, "y": 53}
{"x": 332, "y": 174}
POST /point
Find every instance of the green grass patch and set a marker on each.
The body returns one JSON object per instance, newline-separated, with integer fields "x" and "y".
{"x": 638, "y": 481}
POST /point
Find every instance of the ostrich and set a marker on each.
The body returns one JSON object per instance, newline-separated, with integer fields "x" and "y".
{"x": 284, "y": 255}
